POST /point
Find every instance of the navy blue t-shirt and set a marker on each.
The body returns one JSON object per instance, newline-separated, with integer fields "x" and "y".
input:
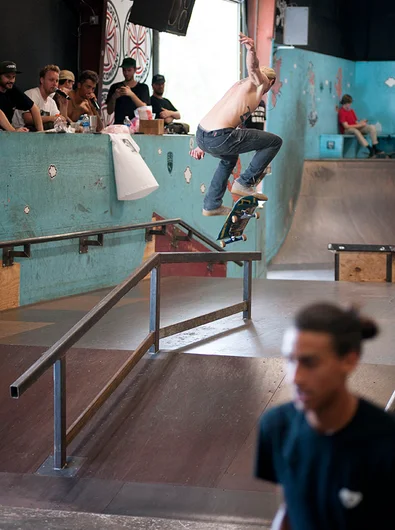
{"x": 124, "y": 105}
{"x": 14, "y": 99}
{"x": 342, "y": 481}
{"x": 158, "y": 104}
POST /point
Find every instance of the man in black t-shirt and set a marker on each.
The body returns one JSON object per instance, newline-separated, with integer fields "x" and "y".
{"x": 332, "y": 452}
{"x": 125, "y": 97}
{"x": 162, "y": 107}
{"x": 12, "y": 98}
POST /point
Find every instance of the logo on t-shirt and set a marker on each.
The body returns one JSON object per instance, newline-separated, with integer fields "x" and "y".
{"x": 350, "y": 499}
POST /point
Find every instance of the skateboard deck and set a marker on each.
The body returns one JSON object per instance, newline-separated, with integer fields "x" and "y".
{"x": 235, "y": 223}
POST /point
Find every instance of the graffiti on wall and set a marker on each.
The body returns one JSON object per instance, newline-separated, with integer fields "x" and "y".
{"x": 339, "y": 83}
{"x": 312, "y": 115}
{"x": 276, "y": 88}
{"x": 123, "y": 39}
{"x": 112, "y": 46}
{"x": 137, "y": 43}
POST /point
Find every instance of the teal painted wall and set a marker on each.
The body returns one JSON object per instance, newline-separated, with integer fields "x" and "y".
{"x": 374, "y": 97}
{"x": 300, "y": 108}
{"x": 82, "y": 196}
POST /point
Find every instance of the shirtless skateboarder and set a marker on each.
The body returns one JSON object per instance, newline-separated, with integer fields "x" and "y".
{"x": 221, "y": 135}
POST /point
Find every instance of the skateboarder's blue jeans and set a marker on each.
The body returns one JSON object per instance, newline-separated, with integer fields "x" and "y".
{"x": 228, "y": 144}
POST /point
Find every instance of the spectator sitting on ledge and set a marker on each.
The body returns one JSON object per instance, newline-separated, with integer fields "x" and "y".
{"x": 83, "y": 100}
{"x": 125, "y": 97}
{"x": 42, "y": 97}
{"x": 12, "y": 98}
{"x": 66, "y": 83}
{"x": 162, "y": 107}
{"x": 349, "y": 124}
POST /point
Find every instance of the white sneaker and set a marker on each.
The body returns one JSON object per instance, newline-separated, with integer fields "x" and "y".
{"x": 243, "y": 191}
{"x": 222, "y": 210}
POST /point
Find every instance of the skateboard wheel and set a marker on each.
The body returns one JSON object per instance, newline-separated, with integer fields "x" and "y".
{"x": 234, "y": 219}
{"x": 244, "y": 237}
{"x": 257, "y": 215}
{"x": 222, "y": 244}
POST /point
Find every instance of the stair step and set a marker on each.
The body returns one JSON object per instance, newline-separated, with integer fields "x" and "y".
{"x": 162, "y": 501}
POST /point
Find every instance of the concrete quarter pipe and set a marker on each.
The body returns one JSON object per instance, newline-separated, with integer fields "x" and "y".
{"x": 342, "y": 201}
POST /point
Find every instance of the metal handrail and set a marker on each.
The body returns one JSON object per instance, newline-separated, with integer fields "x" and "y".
{"x": 56, "y": 351}
{"x": 56, "y": 355}
{"x": 26, "y": 242}
{"x": 390, "y": 407}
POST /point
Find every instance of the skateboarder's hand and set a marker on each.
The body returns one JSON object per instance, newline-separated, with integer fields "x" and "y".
{"x": 197, "y": 153}
{"x": 247, "y": 41}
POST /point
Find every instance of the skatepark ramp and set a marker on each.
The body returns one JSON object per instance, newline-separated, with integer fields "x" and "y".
{"x": 342, "y": 201}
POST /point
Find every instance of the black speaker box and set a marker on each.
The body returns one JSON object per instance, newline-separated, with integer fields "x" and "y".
{"x": 170, "y": 16}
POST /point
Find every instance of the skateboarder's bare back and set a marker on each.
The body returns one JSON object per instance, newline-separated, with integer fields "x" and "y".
{"x": 240, "y": 100}
{"x": 220, "y": 135}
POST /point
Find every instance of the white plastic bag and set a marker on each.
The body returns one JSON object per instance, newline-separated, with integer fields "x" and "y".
{"x": 133, "y": 177}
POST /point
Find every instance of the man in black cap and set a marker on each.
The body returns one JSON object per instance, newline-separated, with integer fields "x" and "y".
{"x": 125, "y": 97}
{"x": 162, "y": 107}
{"x": 12, "y": 98}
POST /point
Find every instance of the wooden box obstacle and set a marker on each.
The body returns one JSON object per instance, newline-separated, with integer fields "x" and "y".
{"x": 363, "y": 263}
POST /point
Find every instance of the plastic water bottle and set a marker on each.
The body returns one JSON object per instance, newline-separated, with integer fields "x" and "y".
{"x": 127, "y": 122}
{"x": 85, "y": 123}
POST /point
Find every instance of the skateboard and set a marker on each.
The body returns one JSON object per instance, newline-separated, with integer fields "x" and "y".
{"x": 235, "y": 223}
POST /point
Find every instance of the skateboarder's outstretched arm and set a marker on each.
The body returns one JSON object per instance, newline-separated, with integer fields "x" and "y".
{"x": 254, "y": 72}
{"x": 197, "y": 153}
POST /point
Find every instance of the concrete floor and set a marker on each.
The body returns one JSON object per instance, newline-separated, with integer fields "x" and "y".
{"x": 274, "y": 303}
{"x": 229, "y": 362}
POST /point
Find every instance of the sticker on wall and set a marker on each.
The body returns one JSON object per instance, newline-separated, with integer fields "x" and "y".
{"x": 52, "y": 171}
{"x": 99, "y": 183}
{"x": 191, "y": 143}
{"x": 137, "y": 43}
{"x": 112, "y": 44}
{"x": 170, "y": 161}
{"x": 26, "y": 210}
{"x": 295, "y": 66}
{"x": 188, "y": 175}
{"x": 160, "y": 151}
{"x": 390, "y": 82}
{"x": 203, "y": 188}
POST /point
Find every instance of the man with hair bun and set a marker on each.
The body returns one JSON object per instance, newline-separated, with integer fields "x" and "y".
{"x": 222, "y": 134}
{"x": 332, "y": 452}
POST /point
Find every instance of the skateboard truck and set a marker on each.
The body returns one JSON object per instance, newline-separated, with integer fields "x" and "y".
{"x": 233, "y": 239}
{"x": 244, "y": 215}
